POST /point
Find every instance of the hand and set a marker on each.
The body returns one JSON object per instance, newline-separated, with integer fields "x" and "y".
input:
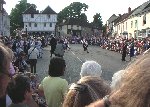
{"x": 99, "y": 103}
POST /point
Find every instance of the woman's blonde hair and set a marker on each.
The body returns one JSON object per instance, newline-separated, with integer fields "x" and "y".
{"x": 87, "y": 90}
{"x": 135, "y": 88}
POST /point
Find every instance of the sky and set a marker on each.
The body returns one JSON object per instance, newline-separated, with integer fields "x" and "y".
{"x": 105, "y": 7}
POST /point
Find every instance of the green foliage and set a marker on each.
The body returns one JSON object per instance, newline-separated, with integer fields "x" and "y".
{"x": 97, "y": 22}
{"x": 74, "y": 10}
{"x": 16, "y": 19}
{"x": 104, "y": 28}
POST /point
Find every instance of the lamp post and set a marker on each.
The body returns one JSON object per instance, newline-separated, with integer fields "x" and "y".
{"x": 55, "y": 30}
{"x": 26, "y": 30}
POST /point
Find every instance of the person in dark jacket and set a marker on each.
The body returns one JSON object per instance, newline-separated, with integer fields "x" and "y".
{"x": 131, "y": 51}
{"x": 124, "y": 52}
{"x": 53, "y": 43}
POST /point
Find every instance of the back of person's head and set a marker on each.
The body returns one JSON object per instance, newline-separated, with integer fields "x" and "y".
{"x": 91, "y": 68}
{"x": 18, "y": 89}
{"x": 116, "y": 79}
{"x": 57, "y": 67}
{"x": 87, "y": 90}
{"x": 135, "y": 88}
{"x": 4, "y": 69}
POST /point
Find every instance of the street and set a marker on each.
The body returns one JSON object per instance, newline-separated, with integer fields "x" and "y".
{"x": 109, "y": 60}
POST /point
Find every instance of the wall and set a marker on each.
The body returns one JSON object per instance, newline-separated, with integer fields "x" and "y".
{"x": 40, "y": 20}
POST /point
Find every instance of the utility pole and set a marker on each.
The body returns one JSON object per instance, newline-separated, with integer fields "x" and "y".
{"x": 26, "y": 30}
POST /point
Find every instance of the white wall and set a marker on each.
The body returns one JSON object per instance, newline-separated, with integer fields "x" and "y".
{"x": 39, "y": 19}
{"x": 4, "y": 24}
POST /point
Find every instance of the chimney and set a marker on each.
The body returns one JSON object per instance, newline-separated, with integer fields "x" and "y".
{"x": 119, "y": 15}
{"x": 129, "y": 10}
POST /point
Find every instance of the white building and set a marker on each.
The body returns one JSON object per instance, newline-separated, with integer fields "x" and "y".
{"x": 135, "y": 23}
{"x": 4, "y": 20}
{"x": 42, "y": 23}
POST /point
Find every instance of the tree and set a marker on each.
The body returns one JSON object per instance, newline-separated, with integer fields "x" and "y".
{"x": 74, "y": 10}
{"x": 16, "y": 19}
{"x": 97, "y": 22}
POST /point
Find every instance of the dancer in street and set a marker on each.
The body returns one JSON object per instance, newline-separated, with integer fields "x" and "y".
{"x": 124, "y": 51}
{"x": 53, "y": 43}
{"x": 85, "y": 45}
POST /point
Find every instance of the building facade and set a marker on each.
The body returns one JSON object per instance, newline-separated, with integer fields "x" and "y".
{"x": 135, "y": 23}
{"x": 4, "y": 20}
{"x": 74, "y": 27}
{"x": 39, "y": 23}
{"x": 77, "y": 27}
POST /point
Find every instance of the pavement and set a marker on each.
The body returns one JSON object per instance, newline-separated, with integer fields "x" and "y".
{"x": 75, "y": 57}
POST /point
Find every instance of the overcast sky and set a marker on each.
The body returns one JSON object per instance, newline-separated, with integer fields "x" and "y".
{"x": 105, "y": 7}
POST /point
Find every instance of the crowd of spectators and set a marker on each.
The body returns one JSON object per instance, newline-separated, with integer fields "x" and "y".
{"x": 116, "y": 44}
{"x": 129, "y": 87}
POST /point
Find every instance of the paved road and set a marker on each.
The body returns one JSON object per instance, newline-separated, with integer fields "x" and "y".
{"x": 109, "y": 60}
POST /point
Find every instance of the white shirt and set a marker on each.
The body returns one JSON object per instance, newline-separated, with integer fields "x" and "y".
{"x": 33, "y": 53}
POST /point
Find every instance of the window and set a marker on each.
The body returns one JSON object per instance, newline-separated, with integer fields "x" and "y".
{"x": 123, "y": 26}
{"x": 44, "y": 24}
{"x": 126, "y": 26}
{"x": 49, "y": 16}
{"x": 144, "y": 19}
{"x": 131, "y": 24}
{"x": 35, "y": 24}
{"x": 29, "y": 24}
{"x": 32, "y": 15}
{"x": 135, "y": 23}
{"x": 50, "y": 24}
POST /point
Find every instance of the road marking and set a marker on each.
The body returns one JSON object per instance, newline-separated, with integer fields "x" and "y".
{"x": 77, "y": 57}
{"x": 73, "y": 53}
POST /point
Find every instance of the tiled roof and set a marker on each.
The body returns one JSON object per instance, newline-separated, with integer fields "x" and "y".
{"x": 141, "y": 8}
{"x": 75, "y": 21}
{"x": 2, "y": 2}
{"x": 31, "y": 10}
{"x": 112, "y": 18}
{"x": 48, "y": 10}
{"x": 121, "y": 18}
{"x": 124, "y": 16}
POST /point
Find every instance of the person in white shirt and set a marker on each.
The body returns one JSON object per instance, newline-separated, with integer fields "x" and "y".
{"x": 39, "y": 47}
{"x": 33, "y": 54}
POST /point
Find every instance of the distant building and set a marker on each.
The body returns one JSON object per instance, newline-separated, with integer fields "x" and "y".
{"x": 39, "y": 23}
{"x": 134, "y": 24}
{"x": 4, "y": 20}
{"x": 74, "y": 27}
{"x": 110, "y": 24}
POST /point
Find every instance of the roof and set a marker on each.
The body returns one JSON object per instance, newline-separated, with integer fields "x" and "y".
{"x": 31, "y": 10}
{"x": 121, "y": 18}
{"x": 75, "y": 21}
{"x": 141, "y": 8}
{"x": 112, "y": 18}
{"x": 124, "y": 16}
{"x": 2, "y": 2}
{"x": 48, "y": 10}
